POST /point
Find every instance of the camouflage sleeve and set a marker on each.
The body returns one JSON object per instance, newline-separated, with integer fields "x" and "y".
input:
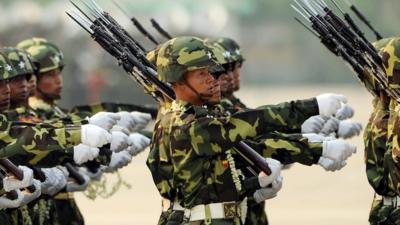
{"x": 375, "y": 138}
{"x": 88, "y": 110}
{"x": 19, "y": 138}
{"x": 291, "y": 115}
{"x": 287, "y": 148}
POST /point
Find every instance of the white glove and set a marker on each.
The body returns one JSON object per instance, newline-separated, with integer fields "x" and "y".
{"x": 105, "y": 120}
{"x": 337, "y": 150}
{"x": 84, "y": 153}
{"x": 312, "y": 138}
{"x": 268, "y": 192}
{"x": 345, "y": 112}
{"x": 6, "y": 203}
{"x": 119, "y": 141}
{"x": 56, "y": 179}
{"x": 275, "y": 167}
{"x": 137, "y": 143}
{"x": 94, "y": 136}
{"x": 141, "y": 120}
{"x": 12, "y": 183}
{"x": 329, "y": 104}
{"x": 118, "y": 160}
{"x": 75, "y": 187}
{"x": 330, "y": 165}
{"x": 348, "y": 129}
{"x": 28, "y": 196}
{"x": 127, "y": 121}
{"x": 313, "y": 124}
{"x": 330, "y": 126}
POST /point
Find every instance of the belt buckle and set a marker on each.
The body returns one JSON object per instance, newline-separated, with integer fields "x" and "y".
{"x": 231, "y": 210}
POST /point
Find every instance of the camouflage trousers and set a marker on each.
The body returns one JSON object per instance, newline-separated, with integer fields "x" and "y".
{"x": 382, "y": 214}
{"x": 40, "y": 209}
{"x": 256, "y": 214}
{"x": 67, "y": 212}
{"x": 19, "y": 216}
{"x": 236, "y": 221}
{"x": 4, "y": 218}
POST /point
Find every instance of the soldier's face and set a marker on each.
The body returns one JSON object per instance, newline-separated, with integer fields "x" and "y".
{"x": 205, "y": 85}
{"x": 51, "y": 84}
{"x": 32, "y": 85}
{"x": 224, "y": 82}
{"x": 4, "y": 95}
{"x": 236, "y": 76}
{"x": 18, "y": 89}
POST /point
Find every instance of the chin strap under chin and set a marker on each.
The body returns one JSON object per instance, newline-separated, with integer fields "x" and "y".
{"x": 201, "y": 96}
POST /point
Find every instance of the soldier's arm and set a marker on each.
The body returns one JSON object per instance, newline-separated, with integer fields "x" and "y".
{"x": 19, "y": 139}
{"x": 287, "y": 148}
{"x": 292, "y": 114}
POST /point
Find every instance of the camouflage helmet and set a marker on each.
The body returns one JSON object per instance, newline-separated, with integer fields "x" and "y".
{"x": 6, "y": 69}
{"x": 227, "y": 57}
{"x": 45, "y": 52}
{"x": 20, "y": 60}
{"x": 152, "y": 55}
{"x": 231, "y": 46}
{"x": 391, "y": 61}
{"x": 183, "y": 54}
{"x": 381, "y": 44}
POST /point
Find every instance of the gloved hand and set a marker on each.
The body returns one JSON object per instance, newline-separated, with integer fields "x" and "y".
{"x": 127, "y": 121}
{"x": 329, "y": 104}
{"x": 312, "y": 138}
{"x": 118, "y": 160}
{"x": 56, "y": 180}
{"x": 137, "y": 143}
{"x": 119, "y": 141}
{"x": 337, "y": 150}
{"x": 12, "y": 183}
{"x": 275, "y": 167}
{"x": 84, "y": 153}
{"x": 141, "y": 120}
{"x": 6, "y": 203}
{"x": 93, "y": 175}
{"x": 330, "y": 126}
{"x": 94, "y": 136}
{"x": 75, "y": 187}
{"x": 313, "y": 124}
{"x": 268, "y": 192}
{"x": 28, "y": 196}
{"x": 348, "y": 129}
{"x": 345, "y": 112}
{"x": 330, "y": 165}
{"x": 105, "y": 120}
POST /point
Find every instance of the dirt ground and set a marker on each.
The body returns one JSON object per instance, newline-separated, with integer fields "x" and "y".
{"x": 309, "y": 194}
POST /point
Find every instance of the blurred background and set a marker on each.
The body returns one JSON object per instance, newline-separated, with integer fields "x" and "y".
{"x": 283, "y": 61}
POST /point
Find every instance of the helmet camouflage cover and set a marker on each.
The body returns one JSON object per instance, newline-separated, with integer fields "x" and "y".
{"x": 183, "y": 54}
{"x": 391, "y": 61}
{"x": 231, "y": 46}
{"x": 6, "y": 70}
{"x": 46, "y": 53}
{"x": 227, "y": 57}
{"x": 20, "y": 60}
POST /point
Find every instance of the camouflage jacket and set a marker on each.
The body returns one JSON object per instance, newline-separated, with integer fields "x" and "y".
{"x": 375, "y": 141}
{"x": 232, "y": 102}
{"x": 37, "y": 158}
{"x": 199, "y": 141}
{"x": 54, "y": 113}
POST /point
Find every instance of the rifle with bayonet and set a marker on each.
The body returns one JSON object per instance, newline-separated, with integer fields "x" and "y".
{"x": 346, "y": 41}
{"x": 160, "y": 30}
{"x": 110, "y": 36}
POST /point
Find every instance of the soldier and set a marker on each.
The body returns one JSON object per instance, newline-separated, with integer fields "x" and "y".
{"x": 184, "y": 71}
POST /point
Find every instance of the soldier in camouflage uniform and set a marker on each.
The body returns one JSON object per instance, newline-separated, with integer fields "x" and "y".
{"x": 172, "y": 64}
{"x": 382, "y": 142}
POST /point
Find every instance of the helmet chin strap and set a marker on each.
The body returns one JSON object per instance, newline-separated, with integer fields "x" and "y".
{"x": 203, "y": 97}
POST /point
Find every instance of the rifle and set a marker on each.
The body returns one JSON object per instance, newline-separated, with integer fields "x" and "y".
{"x": 108, "y": 35}
{"x": 138, "y": 25}
{"x": 160, "y": 30}
{"x": 11, "y": 168}
{"x": 363, "y": 19}
{"x": 342, "y": 40}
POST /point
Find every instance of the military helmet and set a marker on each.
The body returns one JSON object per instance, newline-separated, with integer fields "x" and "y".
{"x": 391, "y": 61}
{"x": 231, "y": 46}
{"x": 380, "y": 44}
{"x": 6, "y": 69}
{"x": 20, "y": 60}
{"x": 183, "y": 54}
{"x": 227, "y": 57}
{"x": 152, "y": 55}
{"x": 45, "y": 52}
